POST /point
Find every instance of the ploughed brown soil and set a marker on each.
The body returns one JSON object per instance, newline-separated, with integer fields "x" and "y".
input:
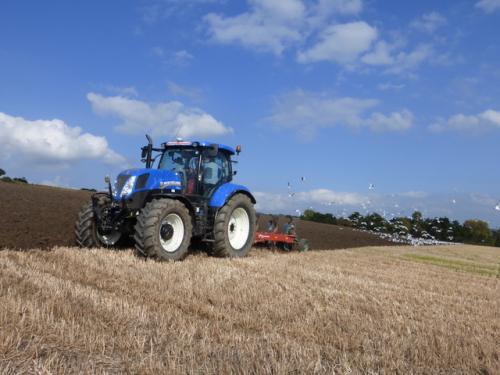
{"x": 34, "y": 216}
{"x": 326, "y": 236}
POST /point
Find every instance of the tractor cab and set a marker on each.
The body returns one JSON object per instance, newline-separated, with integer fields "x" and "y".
{"x": 201, "y": 167}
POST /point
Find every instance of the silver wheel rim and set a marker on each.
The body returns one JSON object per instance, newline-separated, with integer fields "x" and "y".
{"x": 173, "y": 243}
{"x": 238, "y": 228}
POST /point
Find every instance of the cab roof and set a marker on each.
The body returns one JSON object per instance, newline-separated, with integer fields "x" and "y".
{"x": 181, "y": 143}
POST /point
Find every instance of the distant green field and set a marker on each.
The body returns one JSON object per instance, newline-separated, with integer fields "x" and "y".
{"x": 456, "y": 264}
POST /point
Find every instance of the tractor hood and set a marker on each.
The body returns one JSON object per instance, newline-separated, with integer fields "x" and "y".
{"x": 141, "y": 179}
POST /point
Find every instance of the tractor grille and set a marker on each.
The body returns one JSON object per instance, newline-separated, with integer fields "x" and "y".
{"x": 120, "y": 181}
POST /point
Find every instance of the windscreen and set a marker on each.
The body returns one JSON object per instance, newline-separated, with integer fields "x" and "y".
{"x": 179, "y": 159}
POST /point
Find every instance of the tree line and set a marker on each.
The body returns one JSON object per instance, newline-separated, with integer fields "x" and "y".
{"x": 5, "y": 178}
{"x": 439, "y": 228}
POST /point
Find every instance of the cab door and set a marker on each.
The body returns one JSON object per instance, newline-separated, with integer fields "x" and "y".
{"x": 215, "y": 171}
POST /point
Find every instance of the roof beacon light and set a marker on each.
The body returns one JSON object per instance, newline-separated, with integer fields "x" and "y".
{"x": 238, "y": 149}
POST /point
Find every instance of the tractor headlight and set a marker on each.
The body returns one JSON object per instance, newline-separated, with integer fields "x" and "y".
{"x": 129, "y": 186}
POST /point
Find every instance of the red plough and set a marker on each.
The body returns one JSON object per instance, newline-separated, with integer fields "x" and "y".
{"x": 286, "y": 242}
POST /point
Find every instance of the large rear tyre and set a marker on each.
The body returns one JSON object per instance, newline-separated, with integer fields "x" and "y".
{"x": 234, "y": 228}
{"x": 163, "y": 230}
{"x": 86, "y": 231}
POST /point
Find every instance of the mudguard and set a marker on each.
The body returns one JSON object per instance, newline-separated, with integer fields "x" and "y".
{"x": 226, "y": 191}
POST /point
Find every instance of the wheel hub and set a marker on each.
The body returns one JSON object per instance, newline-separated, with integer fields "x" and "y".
{"x": 166, "y": 232}
{"x": 238, "y": 228}
{"x": 171, "y": 233}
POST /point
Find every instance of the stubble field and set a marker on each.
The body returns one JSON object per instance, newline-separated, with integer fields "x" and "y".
{"x": 367, "y": 310}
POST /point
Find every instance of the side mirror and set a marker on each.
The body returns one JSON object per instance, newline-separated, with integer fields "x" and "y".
{"x": 144, "y": 152}
{"x": 235, "y": 173}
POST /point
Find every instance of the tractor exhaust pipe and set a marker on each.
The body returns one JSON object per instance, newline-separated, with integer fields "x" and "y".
{"x": 147, "y": 152}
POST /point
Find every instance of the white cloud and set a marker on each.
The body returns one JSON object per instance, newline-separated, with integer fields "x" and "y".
{"x": 276, "y": 202}
{"x": 314, "y": 30}
{"x": 179, "y": 90}
{"x": 342, "y": 43}
{"x": 380, "y": 55}
{"x": 57, "y": 181}
{"x": 269, "y": 25}
{"x": 179, "y": 58}
{"x": 163, "y": 119}
{"x": 488, "y": 6}
{"x": 414, "y": 194}
{"x": 321, "y": 12}
{"x": 483, "y": 199}
{"x": 307, "y": 113}
{"x": 468, "y": 123}
{"x": 429, "y": 22}
{"x": 407, "y": 61}
{"x": 491, "y": 116}
{"x": 52, "y": 141}
{"x": 322, "y": 196}
{"x": 284, "y": 9}
{"x": 182, "y": 57}
{"x": 344, "y": 7}
{"x": 396, "y": 121}
{"x": 273, "y": 26}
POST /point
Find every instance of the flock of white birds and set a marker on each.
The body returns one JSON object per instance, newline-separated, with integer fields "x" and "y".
{"x": 400, "y": 236}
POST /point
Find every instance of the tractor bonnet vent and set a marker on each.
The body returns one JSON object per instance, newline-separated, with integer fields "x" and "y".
{"x": 142, "y": 181}
{"x": 120, "y": 181}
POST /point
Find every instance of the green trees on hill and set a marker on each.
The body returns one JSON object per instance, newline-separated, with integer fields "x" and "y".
{"x": 5, "y": 178}
{"x": 478, "y": 231}
{"x": 442, "y": 228}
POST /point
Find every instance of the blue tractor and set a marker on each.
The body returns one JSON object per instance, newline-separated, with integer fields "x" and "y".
{"x": 185, "y": 193}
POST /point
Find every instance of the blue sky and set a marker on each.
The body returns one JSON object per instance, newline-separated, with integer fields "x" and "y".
{"x": 346, "y": 93}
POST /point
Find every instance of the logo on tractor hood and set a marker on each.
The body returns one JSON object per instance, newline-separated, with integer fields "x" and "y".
{"x": 165, "y": 184}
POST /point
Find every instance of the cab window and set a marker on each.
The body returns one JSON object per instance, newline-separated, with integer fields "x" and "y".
{"x": 215, "y": 169}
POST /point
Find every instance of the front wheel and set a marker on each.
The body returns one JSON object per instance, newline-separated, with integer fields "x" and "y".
{"x": 87, "y": 232}
{"x": 163, "y": 230}
{"x": 234, "y": 227}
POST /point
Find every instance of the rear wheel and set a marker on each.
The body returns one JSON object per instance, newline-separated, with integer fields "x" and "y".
{"x": 163, "y": 230}
{"x": 87, "y": 233}
{"x": 234, "y": 227}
